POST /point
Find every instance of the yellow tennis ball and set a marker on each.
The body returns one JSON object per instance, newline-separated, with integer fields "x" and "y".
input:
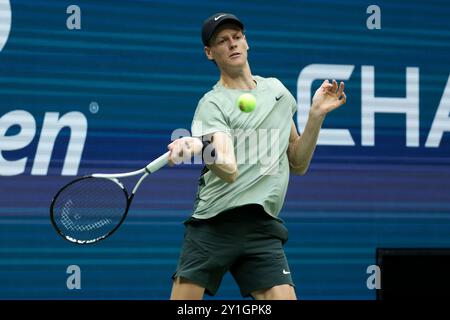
{"x": 246, "y": 102}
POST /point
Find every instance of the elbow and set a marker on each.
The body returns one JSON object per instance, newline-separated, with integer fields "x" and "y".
{"x": 230, "y": 172}
{"x": 231, "y": 177}
{"x": 299, "y": 171}
{"x": 227, "y": 173}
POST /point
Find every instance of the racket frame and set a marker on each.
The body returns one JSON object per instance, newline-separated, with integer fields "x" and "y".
{"x": 128, "y": 199}
{"x": 152, "y": 167}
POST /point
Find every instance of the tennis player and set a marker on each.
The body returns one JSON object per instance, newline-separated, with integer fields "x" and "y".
{"x": 235, "y": 225}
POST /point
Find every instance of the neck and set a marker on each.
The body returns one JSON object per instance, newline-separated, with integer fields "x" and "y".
{"x": 238, "y": 79}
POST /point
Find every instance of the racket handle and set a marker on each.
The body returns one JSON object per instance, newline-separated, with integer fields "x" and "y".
{"x": 158, "y": 163}
{"x": 153, "y": 166}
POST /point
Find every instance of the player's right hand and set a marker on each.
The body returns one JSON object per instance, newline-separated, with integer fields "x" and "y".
{"x": 183, "y": 149}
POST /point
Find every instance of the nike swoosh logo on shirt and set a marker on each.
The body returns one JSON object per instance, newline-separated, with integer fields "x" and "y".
{"x": 278, "y": 98}
{"x": 218, "y": 17}
{"x": 286, "y": 272}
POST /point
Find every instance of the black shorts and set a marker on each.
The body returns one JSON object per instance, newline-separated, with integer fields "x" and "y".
{"x": 245, "y": 241}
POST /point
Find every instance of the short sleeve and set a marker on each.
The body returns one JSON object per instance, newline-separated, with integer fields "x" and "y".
{"x": 292, "y": 102}
{"x": 209, "y": 118}
{"x": 290, "y": 98}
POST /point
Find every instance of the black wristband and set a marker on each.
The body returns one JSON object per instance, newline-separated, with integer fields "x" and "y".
{"x": 212, "y": 156}
{"x": 205, "y": 144}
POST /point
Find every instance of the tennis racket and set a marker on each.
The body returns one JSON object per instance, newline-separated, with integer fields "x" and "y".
{"x": 91, "y": 208}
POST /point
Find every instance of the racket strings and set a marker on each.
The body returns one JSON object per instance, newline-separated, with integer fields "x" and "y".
{"x": 89, "y": 208}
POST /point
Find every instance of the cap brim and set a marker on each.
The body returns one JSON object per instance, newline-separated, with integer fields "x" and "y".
{"x": 221, "y": 23}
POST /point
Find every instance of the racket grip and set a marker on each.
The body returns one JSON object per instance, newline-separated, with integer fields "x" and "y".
{"x": 158, "y": 163}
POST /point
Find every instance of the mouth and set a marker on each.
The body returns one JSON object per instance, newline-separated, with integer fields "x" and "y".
{"x": 234, "y": 55}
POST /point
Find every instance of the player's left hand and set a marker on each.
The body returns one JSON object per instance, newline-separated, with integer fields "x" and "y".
{"x": 328, "y": 97}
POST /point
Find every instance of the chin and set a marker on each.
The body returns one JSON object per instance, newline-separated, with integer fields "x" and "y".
{"x": 238, "y": 62}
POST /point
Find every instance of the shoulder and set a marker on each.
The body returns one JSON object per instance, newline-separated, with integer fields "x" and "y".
{"x": 210, "y": 105}
{"x": 213, "y": 96}
{"x": 270, "y": 82}
{"x": 274, "y": 84}
{"x": 267, "y": 80}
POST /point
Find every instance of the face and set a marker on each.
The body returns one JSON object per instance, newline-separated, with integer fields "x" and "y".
{"x": 228, "y": 47}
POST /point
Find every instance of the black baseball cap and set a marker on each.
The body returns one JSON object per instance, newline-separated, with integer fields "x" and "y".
{"x": 211, "y": 24}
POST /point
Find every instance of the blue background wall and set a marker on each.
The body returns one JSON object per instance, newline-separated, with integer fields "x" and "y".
{"x": 142, "y": 63}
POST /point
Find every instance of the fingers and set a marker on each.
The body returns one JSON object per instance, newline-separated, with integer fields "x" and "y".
{"x": 341, "y": 89}
{"x": 329, "y": 87}
{"x": 344, "y": 98}
{"x": 326, "y": 86}
{"x": 176, "y": 154}
{"x": 341, "y": 94}
{"x": 170, "y": 160}
{"x": 181, "y": 150}
{"x": 329, "y": 96}
{"x": 334, "y": 86}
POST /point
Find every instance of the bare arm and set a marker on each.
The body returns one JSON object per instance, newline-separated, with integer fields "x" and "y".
{"x": 223, "y": 164}
{"x": 301, "y": 147}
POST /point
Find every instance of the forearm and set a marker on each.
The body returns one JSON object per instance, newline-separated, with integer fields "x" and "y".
{"x": 224, "y": 168}
{"x": 302, "y": 148}
{"x": 219, "y": 158}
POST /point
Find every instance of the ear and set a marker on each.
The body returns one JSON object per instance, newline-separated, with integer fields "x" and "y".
{"x": 246, "y": 43}
{"x": 208, "y": 53}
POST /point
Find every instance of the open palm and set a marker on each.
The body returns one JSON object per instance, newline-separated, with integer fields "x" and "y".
{"x": 328, "y": 97}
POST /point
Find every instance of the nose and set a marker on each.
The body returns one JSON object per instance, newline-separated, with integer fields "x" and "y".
{"x": 233, "y": 43}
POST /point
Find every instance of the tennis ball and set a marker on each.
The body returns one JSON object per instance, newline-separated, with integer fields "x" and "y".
{"x": 246, "y": 102}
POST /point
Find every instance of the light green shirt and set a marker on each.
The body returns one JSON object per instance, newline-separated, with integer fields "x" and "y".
{"x": 260, "y": 140}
